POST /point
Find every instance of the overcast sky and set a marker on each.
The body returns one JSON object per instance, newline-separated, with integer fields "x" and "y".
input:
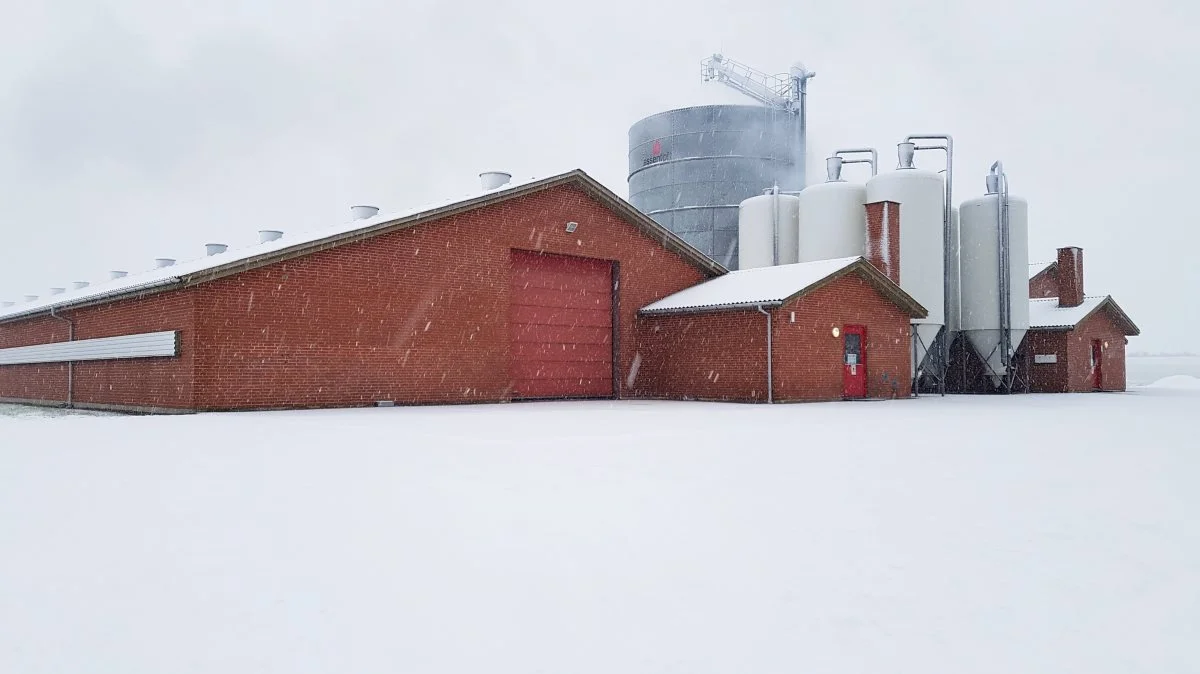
{"x": 143, "y": 129}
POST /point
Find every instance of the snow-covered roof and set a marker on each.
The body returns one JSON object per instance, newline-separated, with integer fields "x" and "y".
{"x": 1036, "y": 268}
{"x": 770, "y": 286}
{"x": 1046, "y": 314}
{"x": 180, "y": 272}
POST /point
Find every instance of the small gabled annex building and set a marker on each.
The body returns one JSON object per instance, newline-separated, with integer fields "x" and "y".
{"x": 826, "y": 330}
{"x": 1075, "y": 343}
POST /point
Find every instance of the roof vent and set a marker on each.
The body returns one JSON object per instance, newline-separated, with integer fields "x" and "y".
{"x": 265, "y": 235}
{"x": 906, "y": 152}
{"x": 364, "y": 212}
{"x": 113, "y": 275}
{"x": 79, "y": 284}
{"x": 490, "y": 180}
{"x": 215, "y": 248}
{"x": 160, "y": 262}
{"x": 57, "y": 291}
{"x": 833, "y": 169}
{"x": 6, "y": 304}
{"x": 30, "y": 298}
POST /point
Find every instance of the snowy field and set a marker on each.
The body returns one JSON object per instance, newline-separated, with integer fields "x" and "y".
{"x": 975, "y": 535}
{"x": 1143, "y": 370}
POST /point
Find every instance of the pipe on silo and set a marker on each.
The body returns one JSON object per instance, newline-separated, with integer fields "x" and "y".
{"x": 997, "y": 183}
{"x": 775, "y": 225}
{"x": 873, "y": 161}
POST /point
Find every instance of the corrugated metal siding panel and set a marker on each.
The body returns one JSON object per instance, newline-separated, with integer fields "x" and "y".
{"x": 143, "y": 345}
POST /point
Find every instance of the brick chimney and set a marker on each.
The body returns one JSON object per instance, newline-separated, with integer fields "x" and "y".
{"x": 883, "y": 238}
{"x": 1070, "y": 276}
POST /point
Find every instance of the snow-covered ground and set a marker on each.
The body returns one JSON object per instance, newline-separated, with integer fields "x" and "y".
{"x": 1143, "y": 370}
{"x": 968, "y": 534}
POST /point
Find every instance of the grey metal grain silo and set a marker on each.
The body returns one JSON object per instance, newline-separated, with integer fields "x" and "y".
{"x": 690, "y": 168}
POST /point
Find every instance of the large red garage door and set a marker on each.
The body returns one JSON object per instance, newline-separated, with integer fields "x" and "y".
{"x": 560, "y": 322}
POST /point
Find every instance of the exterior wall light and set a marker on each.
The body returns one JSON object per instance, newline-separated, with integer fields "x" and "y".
{"x": 571, "y": 226}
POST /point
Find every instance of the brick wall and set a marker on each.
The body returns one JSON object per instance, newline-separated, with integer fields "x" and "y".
{"x": 131, "y": 382}
{"x": 41, "y": 381}
{"x": 1046, "y": 377}
{"x": 415, "y": 315}
{"x": 710, "y": 356}
{"x": 808, "y": 358}
{"x": 1079, "y": 344}
{"x": 722, "y": 355}
{"x": 1044, "y": 284}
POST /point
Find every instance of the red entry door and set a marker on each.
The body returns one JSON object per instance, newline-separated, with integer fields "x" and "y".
{"x": 1097, "y": 368}
{"x": 854, "y": 361}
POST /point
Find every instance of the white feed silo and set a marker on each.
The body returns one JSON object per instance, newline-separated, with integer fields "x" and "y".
{"x": 832, "y": 217}
{"x": 983, "y": 298}
{"x": 764, "y": 222}
{"x": 921, "y": 195}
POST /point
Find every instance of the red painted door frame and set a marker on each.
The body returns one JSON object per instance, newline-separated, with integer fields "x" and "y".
{"x": 854, "y": 361}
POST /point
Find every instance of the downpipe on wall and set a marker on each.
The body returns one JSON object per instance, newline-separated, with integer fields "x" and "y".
{"x": 70, "y": 363}
{"x": 770, "y": 370}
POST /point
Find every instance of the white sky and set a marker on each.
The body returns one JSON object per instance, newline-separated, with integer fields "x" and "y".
{"x": 147, "y": 129}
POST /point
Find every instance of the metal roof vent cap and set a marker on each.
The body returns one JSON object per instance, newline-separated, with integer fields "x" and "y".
{"x": 215, "y": 248}
{"x": 364, "y": 212}
{"x": 30, "y": 298}
{"x": 490, "y": 180}
{"x": 57, "y": 291}
{"x": 114, "y": 275}
{"x": 160, "y": 262}
{"x": 79, "y": 284}
{"x": 265, "y": 235}
{"x": 833, "y": 169}
{"x": 906, "y": 152}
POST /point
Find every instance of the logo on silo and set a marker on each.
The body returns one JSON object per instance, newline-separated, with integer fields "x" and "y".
{"x": 656, "y": 154}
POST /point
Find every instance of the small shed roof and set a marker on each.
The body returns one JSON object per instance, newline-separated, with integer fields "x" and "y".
{"x": 774, "y": 286}
{"x": 292, "y": 245}
{"x": 1046, "y": 314}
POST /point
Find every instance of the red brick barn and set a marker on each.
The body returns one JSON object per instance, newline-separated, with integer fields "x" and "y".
{"x": 1075, "y": 343}
{"x": 527, "y": 291}
{"x": 822, "y": 330}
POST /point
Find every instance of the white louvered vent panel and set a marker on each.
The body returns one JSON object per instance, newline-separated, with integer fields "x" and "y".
{"x": 144, "y": 345}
